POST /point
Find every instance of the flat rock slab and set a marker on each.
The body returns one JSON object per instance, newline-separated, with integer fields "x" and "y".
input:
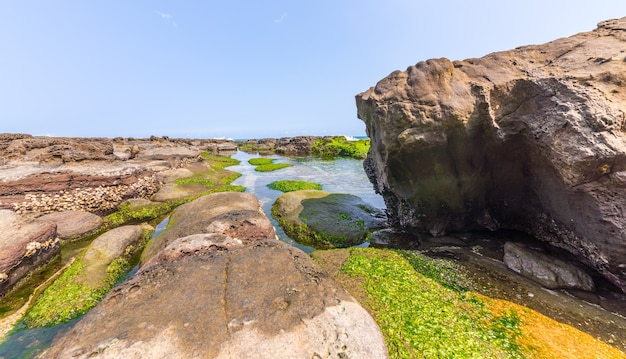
{"x": 264, "y": 300}
{"x": 238, "y": 215}
{"x": 25, "y": 244}
{"x": 73, "y": 224}
{"x": 530, "y": 139}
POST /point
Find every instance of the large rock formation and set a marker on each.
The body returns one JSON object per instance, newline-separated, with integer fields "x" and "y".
{"x": 529, "y": 139}
{"x": 325, "y": 220}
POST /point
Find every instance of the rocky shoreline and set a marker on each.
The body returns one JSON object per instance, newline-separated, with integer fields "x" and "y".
{"x": 223, "y": 231}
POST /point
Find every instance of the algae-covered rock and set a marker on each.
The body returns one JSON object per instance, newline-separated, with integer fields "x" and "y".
{"x": 88, "y": 278}
{"x": 541, "y": 267}
{"x": 326, "y": 220}
{"x": 263, "y": 300}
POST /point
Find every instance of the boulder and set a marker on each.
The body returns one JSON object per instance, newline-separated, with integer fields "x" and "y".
{"x": 73, "y": 224}
{"x": 238, "y": 215}
{"x": 545, "y": 269}
{"x": 326, "y": 220}
{"x": 530, "y": 139}
{"x": 25, "y": 244}
{"x": 264, "y": 300}
{"x": 105, "y": 249}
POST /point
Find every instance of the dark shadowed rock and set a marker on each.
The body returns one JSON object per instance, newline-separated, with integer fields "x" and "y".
{"x": 238, "y": 215}
{"x": 529, "y": 139}
{"x": 326, "y": 220}
{"x": 25, "y": 244}
{"x": 264, "y": 300}
{"x": 549, "y": 271}
{"x": 73, "y": 224}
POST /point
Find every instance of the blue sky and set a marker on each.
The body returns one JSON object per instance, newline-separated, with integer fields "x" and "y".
{"x": 241, "y": 69}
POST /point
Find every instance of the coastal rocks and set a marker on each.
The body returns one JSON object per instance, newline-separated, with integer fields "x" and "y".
{"x": 73, "y": 224}
{"x": 266, "y": 300}
{"x": 287, "y": 146}
{"x": 326, "y": 220}
{"x": 530, "y": 139}
{"x": 55, "y": 149}
{"x": 550, "y": 272}
{"x": 238, "y": 215}
{"x": 81, "y": 286}
{"x": 25, "y": 244}
{"x": 105, "y": 249}
{"x": 101, "y": 199}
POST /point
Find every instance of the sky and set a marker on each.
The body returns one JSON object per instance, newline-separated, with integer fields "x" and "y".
{"x": 241, "y": 69}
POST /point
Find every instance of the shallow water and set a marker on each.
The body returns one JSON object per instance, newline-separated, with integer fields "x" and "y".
{"x": 342, "y": 175}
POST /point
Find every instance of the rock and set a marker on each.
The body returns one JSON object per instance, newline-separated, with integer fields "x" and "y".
{"x": 541, "y": 267}
{"x": 56, "y": 149}
{"x": 238, "y": 215}
{"x": 166, "y": 151}
{"x": 105, "y": 249}
{"x": 264, "y": 300}
{"x": 170, "y": 191}
{"x": 529, "y": 139}
{"x": 286, "y": 146}
{"x": 173, "y": 174}
{"x": 325, "y": 220}
{"x": 73, "y": 224}
{"x": 25, "y": 245}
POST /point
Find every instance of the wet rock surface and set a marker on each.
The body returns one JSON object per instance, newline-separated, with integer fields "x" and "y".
{"x": 48, "y": 174}
{"x": 326, "y": 220}
{"x": 601, "y": 313}
{"x": 551, "y": 272}
{"x": 209, "y": 295}
{"x": 528, "y": 139}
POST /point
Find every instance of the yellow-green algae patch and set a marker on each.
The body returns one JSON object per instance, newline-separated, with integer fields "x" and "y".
{"x": 432, "y": 315}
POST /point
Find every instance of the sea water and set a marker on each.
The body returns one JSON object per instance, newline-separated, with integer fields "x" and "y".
{"x": 341, "y": 175}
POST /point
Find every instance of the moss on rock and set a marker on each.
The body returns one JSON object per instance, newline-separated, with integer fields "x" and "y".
{"x": 87, "y": 280}
{"x": 325, "y": 220}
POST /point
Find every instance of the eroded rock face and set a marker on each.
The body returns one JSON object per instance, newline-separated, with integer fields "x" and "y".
{"x": 264, "y": 300}
{"x": 25, "y": 244}
{"x": 238, "y": 215}
{"x": 529, "y": 139}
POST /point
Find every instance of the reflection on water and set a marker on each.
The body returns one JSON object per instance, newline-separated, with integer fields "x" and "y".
{"x": 342, "y": 175}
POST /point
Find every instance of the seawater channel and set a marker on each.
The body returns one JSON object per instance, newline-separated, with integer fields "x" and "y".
{"x": 480, "y": 254}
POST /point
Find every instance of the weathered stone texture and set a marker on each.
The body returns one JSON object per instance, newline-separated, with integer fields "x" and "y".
{"x": 529, "y": 139}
